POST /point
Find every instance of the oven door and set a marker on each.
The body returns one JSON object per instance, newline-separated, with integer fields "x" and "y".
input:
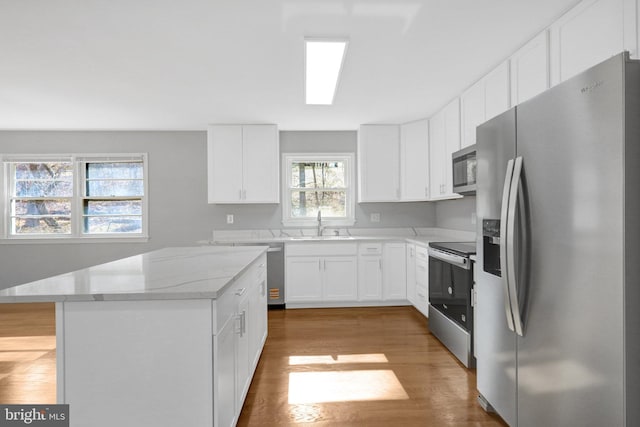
{"x": 450, "y": 283}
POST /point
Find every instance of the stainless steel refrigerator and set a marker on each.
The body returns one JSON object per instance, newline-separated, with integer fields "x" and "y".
{"x": 558, "y": 254}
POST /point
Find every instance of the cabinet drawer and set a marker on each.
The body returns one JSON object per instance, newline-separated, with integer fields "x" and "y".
{"x": 422, "y": 253}
{"x": 370, "y": 249}
{"x": 227, "y": 303}
{"x": 320, "y": 249}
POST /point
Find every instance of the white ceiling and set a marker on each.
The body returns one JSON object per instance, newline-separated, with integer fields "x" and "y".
{"x": 167, "y": 64}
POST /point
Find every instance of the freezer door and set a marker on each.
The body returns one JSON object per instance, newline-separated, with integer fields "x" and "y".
{"x": 495, "y": 344}
{"x": 570, "y": 359}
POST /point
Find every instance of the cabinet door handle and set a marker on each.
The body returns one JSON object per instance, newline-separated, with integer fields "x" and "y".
{"x": 380, "y": 264}
{"x": 244, "y": 194}
{"x": 240, "y": 194}
{"x": 324, "y": 264}
{"x": 241, "y": 291}
{"x": 244, "y": 322}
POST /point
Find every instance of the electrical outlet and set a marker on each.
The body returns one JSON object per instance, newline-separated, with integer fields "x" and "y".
{"x": 375, "y": 217}
{"x": 229, "y": 218}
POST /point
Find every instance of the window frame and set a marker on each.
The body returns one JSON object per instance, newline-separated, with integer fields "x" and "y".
{"x": 350, "y": 193}
{"x": 77, "y": 234}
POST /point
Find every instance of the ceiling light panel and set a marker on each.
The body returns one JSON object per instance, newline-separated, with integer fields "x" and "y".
{"x": 323, "y": 64}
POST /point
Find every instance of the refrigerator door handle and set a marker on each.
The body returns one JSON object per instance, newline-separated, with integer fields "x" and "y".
{"x": 511, "y": 255}
{"x": 503, "y": 243}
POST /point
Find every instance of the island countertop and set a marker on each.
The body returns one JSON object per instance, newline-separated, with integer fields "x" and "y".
{"x": 169, "y": 273}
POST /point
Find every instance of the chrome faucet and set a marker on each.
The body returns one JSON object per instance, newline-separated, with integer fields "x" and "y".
{"x": 319, "y": 223}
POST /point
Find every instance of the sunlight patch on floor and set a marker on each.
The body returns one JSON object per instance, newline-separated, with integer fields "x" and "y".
{"x": 344, "y": 386}
{"x": 338, "y": 359}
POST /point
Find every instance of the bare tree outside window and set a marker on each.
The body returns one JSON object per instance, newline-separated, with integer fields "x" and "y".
{"x": 41, "y": 201}
{"x": 318, "y": 186}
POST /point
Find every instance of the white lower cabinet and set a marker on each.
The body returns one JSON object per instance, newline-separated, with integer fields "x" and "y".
{"x": 225, "y": 376}
{"x": 323, "y": 274}
{"x": 422, "y": 280}
{"x": 382, "y": 272}
{"x": 241, "y": 323}
{"x": 303, "y": 279}
{"x": 370, "y": 271}
{"x": 394, "y": 277}
{"x": 411, "y": 273}
{"x": 317, "y": 272}
{"x": 340, "y": 278}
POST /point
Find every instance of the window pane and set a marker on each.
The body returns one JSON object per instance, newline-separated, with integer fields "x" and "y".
{"x": 110, "y": 224}
{"x": 43, "y": 180}
{"x": 318, "y": 174}
{"x": 113, "y": 207}
{"x": 48, "y": 225}
{"x": 118, "y": 170}
{"x": 305, "y": 204}
{"x": 43, "y": 189}
{"x": 42, "y": 207}
{"x": 31, "y": 171}
{"x": 115, "y": 188}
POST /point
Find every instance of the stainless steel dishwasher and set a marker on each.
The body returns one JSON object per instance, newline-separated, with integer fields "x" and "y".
{"x": 275, "y": 274}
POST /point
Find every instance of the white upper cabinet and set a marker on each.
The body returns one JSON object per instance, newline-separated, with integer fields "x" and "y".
{"x": 472, "y": 104}
{"x": 379, "y": 163}
{"x": 530, "y": 69}
{"x": 444, "y": 139}
{"x": 261, "y": 166}
{"x": 414, "y": 160}
{"x": 590, "y": 33}
{"x": 243, "y": 164}
{"x": 497, "y": 90}
{"x": 483, "y": 101}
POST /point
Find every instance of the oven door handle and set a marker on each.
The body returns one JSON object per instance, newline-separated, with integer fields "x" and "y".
{"x": 450, "y": 258}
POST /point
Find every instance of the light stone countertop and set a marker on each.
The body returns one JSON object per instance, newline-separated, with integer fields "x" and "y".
{"x": 170, "y": 273}
{"x": 420, "y": 236}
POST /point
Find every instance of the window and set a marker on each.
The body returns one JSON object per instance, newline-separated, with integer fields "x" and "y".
{"x": 318, "y": 183}
{"x": 75, "y": 197}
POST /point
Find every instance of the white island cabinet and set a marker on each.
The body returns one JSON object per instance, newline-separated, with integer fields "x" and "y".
{"x": 167, "y": 338}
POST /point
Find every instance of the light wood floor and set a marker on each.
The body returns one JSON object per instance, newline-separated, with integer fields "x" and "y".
{"x": 315, "y": 363}
{"x": 386, "y": 356}
{"x": 27, "y": 353}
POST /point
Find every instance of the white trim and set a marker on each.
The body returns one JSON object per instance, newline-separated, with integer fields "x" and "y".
{"x": 349, "y": 219}
{"x": 77, "y": 235}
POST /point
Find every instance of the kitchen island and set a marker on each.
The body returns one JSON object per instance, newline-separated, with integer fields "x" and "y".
{"x": 170, "y": 337}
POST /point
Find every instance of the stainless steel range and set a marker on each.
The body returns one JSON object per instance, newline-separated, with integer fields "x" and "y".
{"x": 450, "y": 297}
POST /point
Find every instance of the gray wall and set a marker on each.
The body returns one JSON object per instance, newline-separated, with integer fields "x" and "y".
{"x": 456, "y": 214}
{"x": 178, "y": 211}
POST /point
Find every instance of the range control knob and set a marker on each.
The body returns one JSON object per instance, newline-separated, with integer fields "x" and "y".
{"x": 450, "y": 290}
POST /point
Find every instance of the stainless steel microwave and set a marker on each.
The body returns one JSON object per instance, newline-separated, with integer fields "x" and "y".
{"x": 465, "y": 171}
